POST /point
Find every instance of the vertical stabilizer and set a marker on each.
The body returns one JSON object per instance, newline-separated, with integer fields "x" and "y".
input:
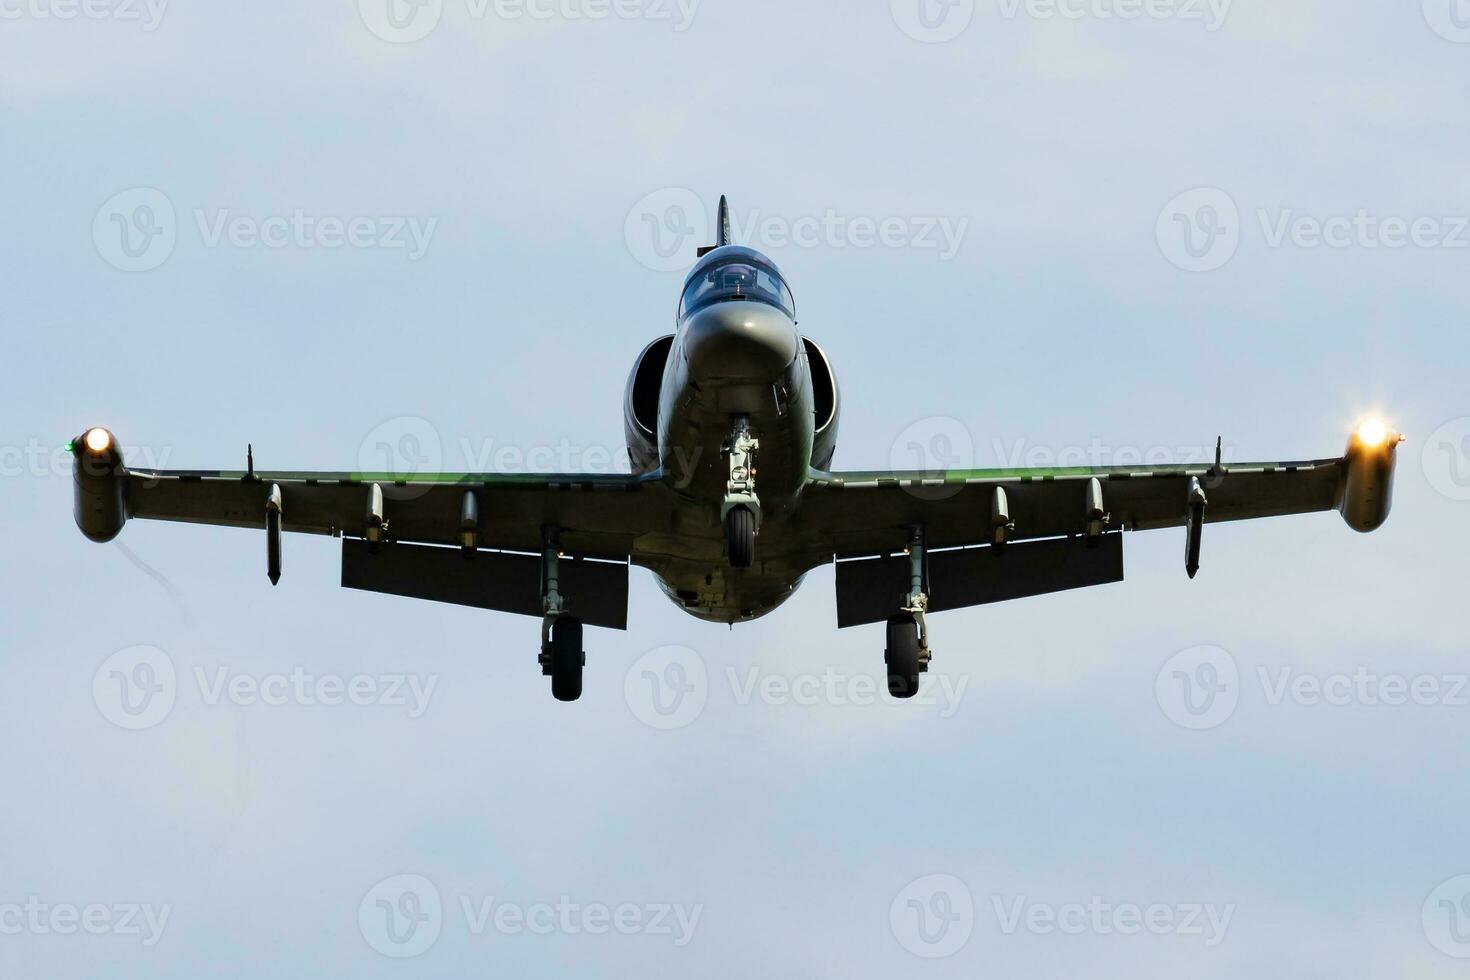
{"x": 722, "y": 229}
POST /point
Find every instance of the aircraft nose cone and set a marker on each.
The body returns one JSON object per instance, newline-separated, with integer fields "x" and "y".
{"x": 740, "y": 341}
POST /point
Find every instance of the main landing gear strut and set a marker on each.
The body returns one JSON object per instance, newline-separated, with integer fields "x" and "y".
{"x": 740, "y": 512}
{"x": 907, "y": 654}
{"x": 562, "y": 657}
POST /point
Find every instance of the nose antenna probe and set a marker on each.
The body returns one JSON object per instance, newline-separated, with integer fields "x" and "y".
{"x": 722, "y": 229}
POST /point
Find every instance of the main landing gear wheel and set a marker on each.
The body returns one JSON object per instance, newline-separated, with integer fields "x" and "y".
{"x": 903, "y": 657}
{"x": 564, "y": 659}
{"x": 740, "y": 537}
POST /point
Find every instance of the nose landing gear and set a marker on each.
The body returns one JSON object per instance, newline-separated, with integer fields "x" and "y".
{"x": 740, "y": 511}
{"x": 740, "y": 536}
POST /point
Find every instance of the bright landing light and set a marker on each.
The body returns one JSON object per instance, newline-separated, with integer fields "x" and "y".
{"x": 1372, "y": 433}
{"x": 97, "y": 440}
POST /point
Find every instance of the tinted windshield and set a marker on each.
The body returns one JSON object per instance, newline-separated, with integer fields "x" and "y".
{"x": 738, "y": 279}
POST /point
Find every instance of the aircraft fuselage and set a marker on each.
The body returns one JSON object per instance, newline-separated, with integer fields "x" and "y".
{"x": 731, "y": 362}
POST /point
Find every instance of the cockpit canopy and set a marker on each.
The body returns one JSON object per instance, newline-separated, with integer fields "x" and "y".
{"x": 734, "y": 272}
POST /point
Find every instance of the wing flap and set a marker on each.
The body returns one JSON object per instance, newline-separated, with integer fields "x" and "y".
{"x": 869, "y": 590}
{"x": 501, "y": 581}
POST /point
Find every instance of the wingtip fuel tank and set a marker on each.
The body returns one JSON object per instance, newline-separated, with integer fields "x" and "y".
{"x": 98, "y": 479}
{"x": 1367, "y": 487}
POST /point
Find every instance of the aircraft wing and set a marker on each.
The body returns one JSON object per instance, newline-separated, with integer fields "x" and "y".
{"x": 993, "y": 535}
{"x": 869, "y": 512}
{"x": 404, "y": 536}
{"x": 599, "y": 515}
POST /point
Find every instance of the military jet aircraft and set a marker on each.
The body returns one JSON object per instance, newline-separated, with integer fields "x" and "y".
{"x": 731, "y": 425}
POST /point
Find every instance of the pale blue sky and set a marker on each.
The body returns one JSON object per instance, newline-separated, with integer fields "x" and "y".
{"x": 794, "y": 828}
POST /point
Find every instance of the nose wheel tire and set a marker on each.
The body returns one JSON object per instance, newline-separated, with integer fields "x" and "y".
{"x": 902, "y": 657}
{"x": 565, "y": 659}
{"x": 740, "y": 537}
